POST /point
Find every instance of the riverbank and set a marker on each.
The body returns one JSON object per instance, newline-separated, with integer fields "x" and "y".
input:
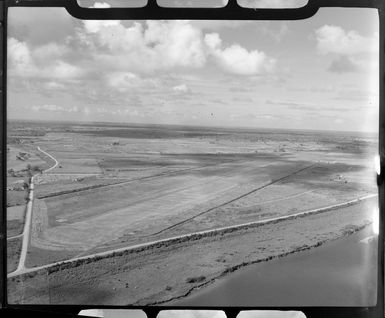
{"x": 164, "y": 273}
{"x": 339, "y": 273}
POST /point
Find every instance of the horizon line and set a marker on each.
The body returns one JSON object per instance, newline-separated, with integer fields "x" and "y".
{"x": 74, "y": 121}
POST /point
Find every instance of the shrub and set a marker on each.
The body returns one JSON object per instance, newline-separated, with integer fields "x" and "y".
{"x": 195, "y": 279}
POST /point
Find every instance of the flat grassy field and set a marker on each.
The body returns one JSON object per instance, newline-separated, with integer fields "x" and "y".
{"x": 120, "y": 185}
{"x": 13, "y": 253}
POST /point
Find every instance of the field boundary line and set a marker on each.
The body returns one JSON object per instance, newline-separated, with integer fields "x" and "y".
{"x": 15, "y": 236}
{"x": 185, "y": 237}
{"x": 234, "y": 199}
{"x": 128, "y": 181}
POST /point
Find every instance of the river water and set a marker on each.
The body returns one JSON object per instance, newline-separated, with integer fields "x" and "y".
{"x": 340, "y": 273}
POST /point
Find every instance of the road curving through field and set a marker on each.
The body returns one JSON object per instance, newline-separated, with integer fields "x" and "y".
{"x": 28, "y": 220}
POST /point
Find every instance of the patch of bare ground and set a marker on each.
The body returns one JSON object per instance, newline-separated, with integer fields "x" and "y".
{"x": 165, "y": 271}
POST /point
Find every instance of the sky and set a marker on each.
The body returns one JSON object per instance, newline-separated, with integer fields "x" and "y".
{"x": 320, "y": 73}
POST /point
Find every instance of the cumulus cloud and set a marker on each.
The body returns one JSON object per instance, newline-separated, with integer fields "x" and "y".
{"x": 122, "y": 49}
{"x": 353, "y": 51}
{"x": 94, "y": 26}
{"x": 52, "y": 85}
{"x": 42, "y": 62}
{"x": 147, "y": 47}
{"x": 164, "y": 45}
{"x": 334, "y": 39}
{"x": 55, "y": 108}
{"x": 183, "y": 88}
{"x": 236, "y": 59}
{"x": 126, "y": 81}
{"x": 19, "y": 55}
{"x": 343, "y": 64}
{"x": 178, "y": 42}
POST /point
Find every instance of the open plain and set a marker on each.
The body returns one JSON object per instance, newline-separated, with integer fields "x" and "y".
{"x": 145, "y": 214}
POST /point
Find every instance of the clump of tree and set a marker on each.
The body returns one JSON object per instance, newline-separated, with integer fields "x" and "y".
{"x": 197, "y": 279}
{"x": 31, "y": 169}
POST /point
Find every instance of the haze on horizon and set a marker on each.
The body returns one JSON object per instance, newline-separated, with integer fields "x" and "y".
{"x": 318, "y": 74}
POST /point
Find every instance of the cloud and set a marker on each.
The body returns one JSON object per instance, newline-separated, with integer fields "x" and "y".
{"x": 94, "y": 26}
{"x": 143, "y": 47}
{"x": 178, "y": 42}
{"x": 165, "y": 45}
{"x": 334, "y": 39}
{"x": 236, "y": 59}
{"x": 183, "y": 88}
{"x": 218, "y": 101}
{"x": 246, "y": 99}
{"x": 240, "y": 89}
{"x": 293, "y": 105}
{"x": 122, "y": 80}
{"x": 354, "y": 52}
{"x": 55, "y": 108}
{"x": 128, "y": 81}
{"x": 19, "y": 56}
{"x": 356, "y": 94}
{"x": 276, "y": 31}
{"x": 125, "y": 54}
{"x": 42, "y": 62}
{"x": 318, "y": 108}
{"x": 53, "y": 85}
{"x": 343, "y": 64}
{"x": 313, "y": 89}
